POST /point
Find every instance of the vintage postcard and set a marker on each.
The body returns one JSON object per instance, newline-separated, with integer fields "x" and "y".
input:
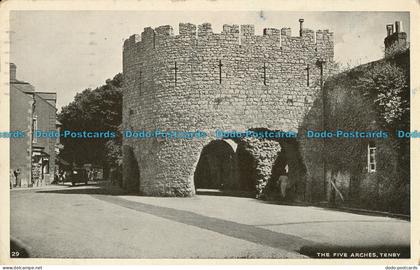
{"x": 229, "y": 131}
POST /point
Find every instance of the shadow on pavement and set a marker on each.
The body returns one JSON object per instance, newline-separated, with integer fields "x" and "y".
{"x": 246, "y": 232}
{"x": 228, "y": 193}
{"x": 252, "y": 233}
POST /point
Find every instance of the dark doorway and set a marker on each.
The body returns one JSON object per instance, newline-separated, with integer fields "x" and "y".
{"x": 131, "y": 175}
{"x": 280, "y": 166}
{"x": 216, "y": 168}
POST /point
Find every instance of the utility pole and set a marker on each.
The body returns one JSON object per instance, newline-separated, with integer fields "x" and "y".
{"x": 324, "y": 169}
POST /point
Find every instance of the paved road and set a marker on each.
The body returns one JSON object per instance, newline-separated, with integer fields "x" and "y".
{"x": 97, "y": 222}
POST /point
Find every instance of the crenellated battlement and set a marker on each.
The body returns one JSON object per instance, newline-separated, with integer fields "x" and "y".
{"x": 239, "y": 34}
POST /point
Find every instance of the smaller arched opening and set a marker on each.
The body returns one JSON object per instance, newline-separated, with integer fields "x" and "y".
{"x": 280, "y": 166}
{"x": 288, "y": 168}
{"x": 279, "y": 180}
{"x": 131, "y": 171}
{"x": 216, "y": 167}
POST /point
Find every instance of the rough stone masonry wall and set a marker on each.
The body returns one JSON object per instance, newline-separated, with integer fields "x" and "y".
{"x": 46, "y": 117}
{"x": 21, "y": 119}
{"x": 199, "y": 101}
{"x": 346, "y": 160}
{"x": 265, "y": 152}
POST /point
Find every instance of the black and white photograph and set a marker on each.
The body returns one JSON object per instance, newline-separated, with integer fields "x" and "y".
{"x": 209, "y": 134}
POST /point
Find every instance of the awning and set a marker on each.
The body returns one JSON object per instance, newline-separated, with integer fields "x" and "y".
{"x": 39, "y": 151}
{"x": 62, "y": 161}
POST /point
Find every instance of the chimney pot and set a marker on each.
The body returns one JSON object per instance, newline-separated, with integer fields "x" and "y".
{"x": 301, "y": 26}
{"x": 398, "y": 26}
{"x": 389, "y": 29}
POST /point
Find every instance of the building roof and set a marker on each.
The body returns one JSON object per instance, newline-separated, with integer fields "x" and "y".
{"x": 23, "y": 86}
{"x": 48, "y": 97}
{"x": 29, "y": 89}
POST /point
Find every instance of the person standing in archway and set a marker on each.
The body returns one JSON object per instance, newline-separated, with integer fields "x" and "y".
{"x": 283, "y": 182}
{"x": 17, "y": 177}
{"x": 12, "y": 177}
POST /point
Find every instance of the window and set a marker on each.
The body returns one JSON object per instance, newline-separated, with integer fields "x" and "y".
{"x": 371, "y": 157}
{"x": 45, "y": 166}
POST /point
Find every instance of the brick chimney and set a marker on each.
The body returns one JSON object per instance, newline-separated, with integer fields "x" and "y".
{"x": 398, "y": 26}
{"x": 12, "y": 72}
{"x": 389, "y": 29}
{"x": 395, "y": 41}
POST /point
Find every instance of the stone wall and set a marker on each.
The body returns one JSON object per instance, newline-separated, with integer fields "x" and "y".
{"x": 351, "y": 106}
{"x": 220, "y": 83}
{"x": 26, "y": 105}
{"x": 45, "y": 112}
{"x": 21, "y": 119}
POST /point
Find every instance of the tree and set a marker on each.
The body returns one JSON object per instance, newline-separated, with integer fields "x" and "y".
{"x": 387, "y": 84}
{"x": 93, "y": 110}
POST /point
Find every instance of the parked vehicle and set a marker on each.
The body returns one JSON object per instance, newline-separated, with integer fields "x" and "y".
{"x": 78, "y": 175}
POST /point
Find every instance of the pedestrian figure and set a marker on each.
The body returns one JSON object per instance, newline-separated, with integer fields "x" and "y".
{"x": 60, "y": 177}
{"x": 17, "y": 177}
{"x": 112, "y": 175}
{"x": 283, "y": 183}
{"x": 63, "y": 175}
{"x": 56, "y": 177}
{"x": 90, "y": 175}
{"x": 11, "y": 178}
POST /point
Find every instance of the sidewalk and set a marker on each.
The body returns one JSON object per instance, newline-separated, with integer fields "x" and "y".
{"x": 54, "y": 186}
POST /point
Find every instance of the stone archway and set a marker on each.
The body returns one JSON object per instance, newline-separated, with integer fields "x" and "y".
{"x": 131, "y": 175}
{"x": 288, "y": 162}
{"x": 280, "y": 166}
{"x": 217, "y": 166}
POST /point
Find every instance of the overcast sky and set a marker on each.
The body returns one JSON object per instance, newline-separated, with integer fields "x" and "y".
{"x": 68, "y": 51}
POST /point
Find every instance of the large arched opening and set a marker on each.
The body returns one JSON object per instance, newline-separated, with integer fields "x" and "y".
{"x": 217, "y": 166}
{"x": 252, "y": 167}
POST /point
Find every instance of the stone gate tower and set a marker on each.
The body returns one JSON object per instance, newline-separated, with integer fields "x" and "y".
{"x": 200, "y": 80}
